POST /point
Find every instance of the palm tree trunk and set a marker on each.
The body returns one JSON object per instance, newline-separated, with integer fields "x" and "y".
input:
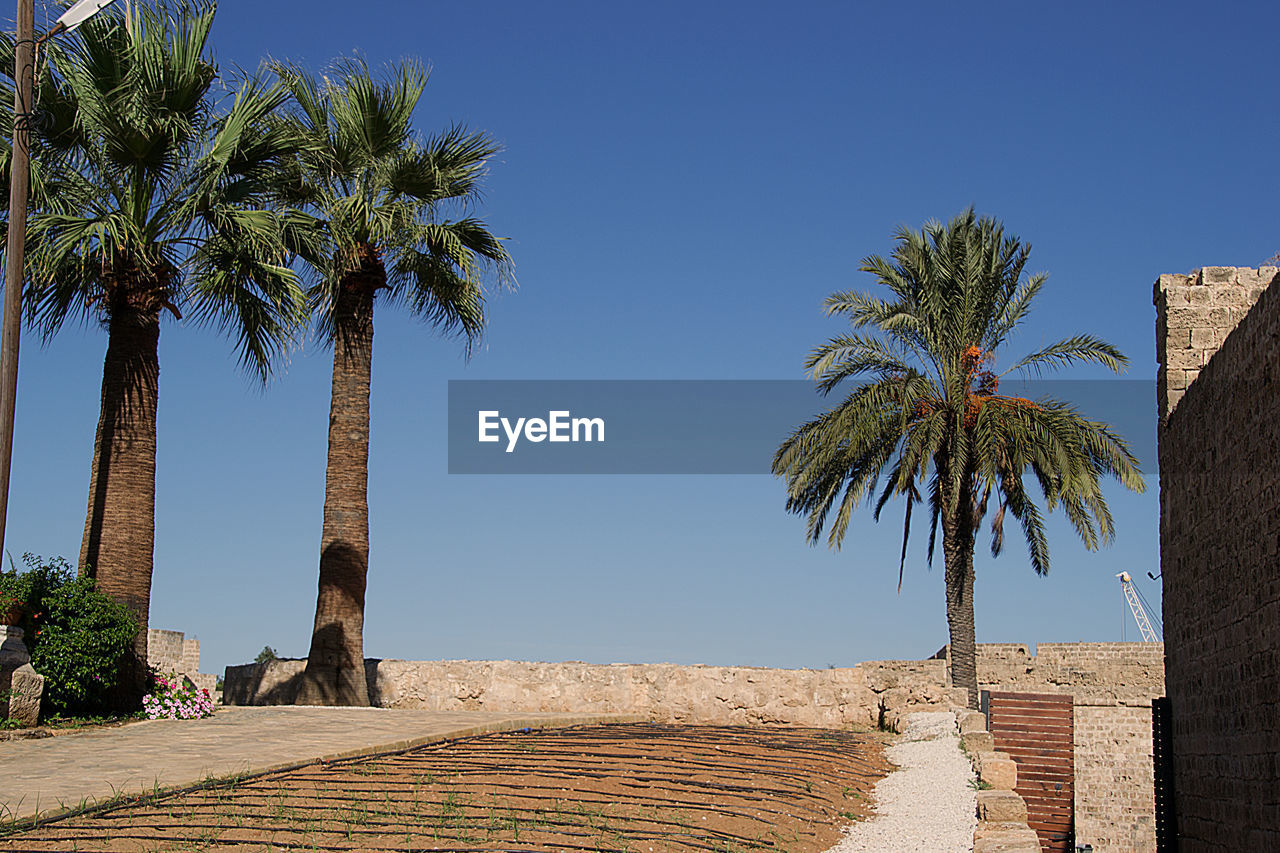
{"x": 335, "y": 664}
{"x": 957, "y": 547}
{"x": 120, "y": 525}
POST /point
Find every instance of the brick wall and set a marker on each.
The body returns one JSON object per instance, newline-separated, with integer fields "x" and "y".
{"x": 1219, "y": 448}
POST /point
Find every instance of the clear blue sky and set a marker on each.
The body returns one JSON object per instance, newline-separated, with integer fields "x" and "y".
{"x": 682, "y": 185}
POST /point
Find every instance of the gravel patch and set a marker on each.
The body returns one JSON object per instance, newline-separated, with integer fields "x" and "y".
{"x": 928, "y": 804}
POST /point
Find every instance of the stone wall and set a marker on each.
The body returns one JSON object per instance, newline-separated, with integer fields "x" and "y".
{"x": 173, "y": 651}
{"x": 1219, "y": 448}
{"x": 190, "y": 661}
{"x": 1112, "y": 685}
{"x": 1194, "y": 315}
{"x": 1095, "y": 673}
{"x": 164, "y": 650}
{"x": 865, "y": 695}
{"x": 1115, "y": 778}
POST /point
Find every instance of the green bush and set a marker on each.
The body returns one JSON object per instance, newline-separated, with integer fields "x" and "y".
{"x": 267, "y": 654}
{"x": 80, "y": 640}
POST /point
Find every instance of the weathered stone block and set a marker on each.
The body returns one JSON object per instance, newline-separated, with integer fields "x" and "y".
{"x": 1233, "y": 296}
{"x": 976, "y": 742}
{"x": 1222, "y": 318}
{"x": 987, "y": 828}
{"x": 895, "y": 698}
{"x": 1248, "y": 278}
{"x": 1183, "y": 318}
{"x": 881, "y": 680}
{"x": 1199, "y": 296}
{"x": 971, "y": 721}
{"x": 1178, "y": 339}
{"x": 1001, "y": 807}
{"x": 1000, "y": 773}
{"x": 893, "y": 721}
{"x": 1203, "y": 338}
{"x": 1217, "y": 275}
{"x": 1006, "y": 840}
{"x": 1168, "y": 281}
{"x": 25, "y": 687}
{"x": 1182, "y": 359}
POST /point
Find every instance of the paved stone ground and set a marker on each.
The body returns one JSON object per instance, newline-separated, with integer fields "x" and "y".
{"x": 54, "y": 774}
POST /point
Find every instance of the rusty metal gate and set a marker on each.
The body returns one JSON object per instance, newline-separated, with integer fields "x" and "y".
{"x": 1037, "y": 730}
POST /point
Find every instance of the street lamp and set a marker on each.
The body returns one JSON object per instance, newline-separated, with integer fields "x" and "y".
{"x": 76, "y": 15}
{"x": 19, "y": 187}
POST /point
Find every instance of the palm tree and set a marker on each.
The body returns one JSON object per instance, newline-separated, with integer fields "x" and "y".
{"x": 928, "y": 409}
{"x": 150, "y": 197}
{"x": 375, "y": 192}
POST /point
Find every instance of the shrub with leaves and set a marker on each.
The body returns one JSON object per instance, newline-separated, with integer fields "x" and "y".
{"x": 176, "y": 699}
{"x": 80, "y": 640}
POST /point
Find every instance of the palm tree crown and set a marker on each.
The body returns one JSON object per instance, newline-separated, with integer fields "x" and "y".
{"x": 150, "y": 197}
{"x": 929, "y": 418}
{"x": 374, "y": 195}
{"x": 156, "y": 186}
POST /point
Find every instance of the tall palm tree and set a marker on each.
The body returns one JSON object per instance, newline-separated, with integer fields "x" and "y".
{"x": 376, "y": 194}
{"x": 150, "y": 202}
{"x": 929, "y": 412}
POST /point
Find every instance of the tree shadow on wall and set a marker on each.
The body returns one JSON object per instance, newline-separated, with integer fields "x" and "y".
{"x": 277, "y": 682}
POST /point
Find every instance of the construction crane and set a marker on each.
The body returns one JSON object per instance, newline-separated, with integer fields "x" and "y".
{"x": 1132, "y": 596}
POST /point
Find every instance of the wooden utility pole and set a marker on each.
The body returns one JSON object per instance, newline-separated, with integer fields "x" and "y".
{"x": 19, "y": 186}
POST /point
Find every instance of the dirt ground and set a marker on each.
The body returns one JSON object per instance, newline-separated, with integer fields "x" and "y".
{"x": 633, "y": 787}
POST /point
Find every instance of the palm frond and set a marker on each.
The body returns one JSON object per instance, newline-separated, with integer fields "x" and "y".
{"x": 928, "y": 407}
{"x": 155, "y": 190}
{"x": 851, "y": 355}
{"x": 1077, "y": 349}
{"x": 372, "y": 196}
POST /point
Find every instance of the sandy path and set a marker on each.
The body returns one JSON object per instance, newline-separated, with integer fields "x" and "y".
{"x": 928, "y": 804}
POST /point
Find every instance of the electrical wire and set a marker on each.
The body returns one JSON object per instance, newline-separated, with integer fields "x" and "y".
{"x": 1151, "y": 617}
